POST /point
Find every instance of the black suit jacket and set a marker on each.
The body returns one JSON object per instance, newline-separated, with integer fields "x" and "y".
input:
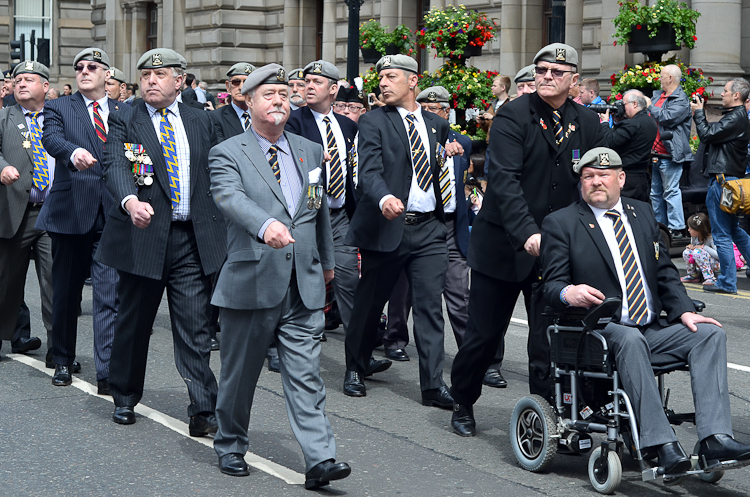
{"x": 189, "y": 98}
{"x": 302, "y": 122}
{"x": 460, "y": 165}
{"x": 633, "y": 140}
{"x": 385, "y": 168}
{"x": 139, "y": 251}
{"x": 575, "y": 252}
{"x": 529, "y": 177}
{"x": 226, "y": 122}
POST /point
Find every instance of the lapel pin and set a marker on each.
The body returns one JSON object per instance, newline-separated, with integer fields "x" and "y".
{"x": 21, "y": 126}
{"x": 591, "y": 226}
{"x": 433, "y": 130}
{"x": 117, "y": 108}
{"x": 300, "y": 159}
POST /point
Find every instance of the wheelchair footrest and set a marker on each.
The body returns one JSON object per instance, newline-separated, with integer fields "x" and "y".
{"x": 675, "y": 418}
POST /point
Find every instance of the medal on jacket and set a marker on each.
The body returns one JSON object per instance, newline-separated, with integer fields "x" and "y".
{"x": 314, "y": 197}
{"x": 26, "y": 142}
{"x": 318, "y": 197}
{"x": 441, "y": 155}
{"x": 310, "y": 198}
{"x": 142, "y": 166}
{"x": 656, "y": 250}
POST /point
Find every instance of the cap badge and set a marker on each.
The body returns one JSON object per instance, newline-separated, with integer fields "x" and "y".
{"x": 281, "y": 75}
{"x": 29, "y": 65}
{"x": 387, "y": 61}
{"x": 248, "y": 69}
{"x": 360, "y": 94}
{"x": 97, "y": 55}
{"x": 317, "y": 68}
{"x": 156, "y": 60}
{"x": 432, "y": 96}
{"x": 560, "y": 54}
{"x": 301, "y": 74}
{"x": 604, "y": 159}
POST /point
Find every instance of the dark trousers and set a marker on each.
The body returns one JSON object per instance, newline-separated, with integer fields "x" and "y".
{"x": 491, "y": 304}
{"x": 423, "y": 253}
{"x": 188, "y": 294}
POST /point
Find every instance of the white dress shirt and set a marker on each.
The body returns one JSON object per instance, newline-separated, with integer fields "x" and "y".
{"x": 338, "y": 135}
{"x": 103, "y": 112}
{"x": 239, "y": 113}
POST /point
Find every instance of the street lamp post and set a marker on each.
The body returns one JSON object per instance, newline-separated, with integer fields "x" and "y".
{"x": 352, "y": 51}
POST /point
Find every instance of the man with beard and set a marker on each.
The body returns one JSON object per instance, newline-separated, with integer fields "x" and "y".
{"x": 297, "y": 89}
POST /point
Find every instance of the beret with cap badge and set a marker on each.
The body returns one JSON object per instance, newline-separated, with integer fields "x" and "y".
{"x": 399, "y": 61}
{"x": 93, "y": 54}
{"x": 31, "y": 67}
{"x": 240, "y": 69}
{"x": 350, "y": 94}
{"x": 297, "y": 74}
{"x": 434, "y": 94}
{"x": 322, "y": 68}
{"x": 161, "y": 57}
{"x": 558, "y": 53}
{"x": 117, "y": 75}
{"x": 525, "y": 75}
{"x": 598, "y": 158}
{"x": 270, "y": 74}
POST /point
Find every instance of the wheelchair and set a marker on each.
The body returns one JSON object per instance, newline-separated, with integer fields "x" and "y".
{"x": 588, "y": 398}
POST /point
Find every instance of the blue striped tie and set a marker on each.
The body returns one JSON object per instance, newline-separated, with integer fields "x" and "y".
{"x": 419, "y": 156}
{"x": 636, "y": 294}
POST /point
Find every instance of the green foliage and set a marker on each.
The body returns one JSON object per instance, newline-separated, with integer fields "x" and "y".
{"x": 632, "y": 13}
{"x": 469, "y": 86}
{"x": 647, "y": 77}
{"x": 373, "y": 35}
{"x": 450, "y": 30}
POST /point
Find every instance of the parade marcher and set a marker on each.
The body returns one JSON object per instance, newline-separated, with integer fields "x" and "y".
{"x": 269, "y": 184}
{"x": 604, "y": 246}
{"x": 26, "y": 174}
{"x": 297, "y": 89}
{"x": 400, "y": 224}
{"x": 525, "y": 81}
{"x": 350, "y": 102}
{"x": 534, "y": 142}
{"x": 75, "y": 213}
{"x": 726, "y": 158}
{"x": 163, "y": 232}
{"x": 233, "y": 119}
{"x": 116, "y": 86}
{"x": 8, "y": 98}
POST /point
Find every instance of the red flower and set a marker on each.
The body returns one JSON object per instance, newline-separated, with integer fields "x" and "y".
{"x": 439, "y": 39}
{"x": 453, "y": 35}
{"x": 440, "y": 32}
{"x": 405, "y": 37}
{"x": 614, "y": 43}
{"x": 637, "y": 26}
{"x": 618, "y": 96}
{"x": 422, "y": 45}
{"x": 701, "y": 90}
{"x": 695, "y": 38}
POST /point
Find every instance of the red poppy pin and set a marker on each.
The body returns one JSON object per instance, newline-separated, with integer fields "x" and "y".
{"x": 541, "y": 121}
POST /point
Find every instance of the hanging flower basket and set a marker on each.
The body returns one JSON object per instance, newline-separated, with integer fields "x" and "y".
{"x": 636, "y": 18}
{"x": 454, "y": 30}
{"x": 375, "y": 41}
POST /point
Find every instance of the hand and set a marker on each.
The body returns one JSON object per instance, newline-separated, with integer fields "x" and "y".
{"x": 9, "y": 175}
{"x": 698, "y": 247}
{"x": 487, "y": 116}
{"x": 648, "y": 101}
{"x": 140, "y": 212}
{"x": 583, "y": 296}
{"x": 392, "y": 208}
{"x": 604, "y": 118}
{"x": 376, "y": 102}
{"x": 83, "y": 160}
{"x": 696, "y": 103}
{"x": 328, "y": 275}
{"x": 209, "y": 105}
{"x": 277, "y": 236}
{"x": 690, "y": 319}
{"x": 690, "y": 247}
{"x": 454, "y": 148}
{"x": 533, "y": 243}
{"x": 326, "y": 156}
{"x": 475, "y": 200}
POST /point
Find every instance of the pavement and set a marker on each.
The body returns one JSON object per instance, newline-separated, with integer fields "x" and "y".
{"x": 61, "y": 441}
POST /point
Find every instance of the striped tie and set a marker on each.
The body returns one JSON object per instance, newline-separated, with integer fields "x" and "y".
{"x": 636, "y": 295}
{"x": 419, "y": 156}
{"x": 274, "y": 161}
{"x": 353, "y": 164}
{"x": 99, "y": 124}
{"x": 246, "y": 120}
{"x": 557, "y": 119}
{"x": 445, "y": 183}
{"x": 336, "y": 183}
{"x": 40, "y": 176}
{"x": 166, "y": 137}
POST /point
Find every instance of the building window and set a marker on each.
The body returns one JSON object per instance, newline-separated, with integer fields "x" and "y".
{"x": 546, "y": 22}
{"x": 423, "y": 7}
{"x": 153, "y": 26}
{"x": 34, "y": 17}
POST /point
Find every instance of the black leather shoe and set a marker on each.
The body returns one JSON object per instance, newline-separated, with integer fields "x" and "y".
{"x": 102, "y": 386}
{"x": 462, "y": 420}
{"x": 273, "y": 364}
{"x": 354, "y": 386}
{"x": 672, "y": 459}
{"x": 75, "y": 367}
{"x": 494, "y": 378}
{"x": 437, "y": 397}
{"x": 202, "y": 424}
{"x": 23, "y": 345}
{"x": 323, "y": 337}
{"x": 214, "y": 344}
{"x": 124, "y": 415}
{"x": 716, "y": 289}
{"x": 233, "y": 465}
{"x": 377, "y": 366}
{"x": 721, "y": 448}
{"x": 321, "y": 474}
{"x": 62, "y": 376}
{"x": 50, "y": 364}
{"x": 397, "y": 354}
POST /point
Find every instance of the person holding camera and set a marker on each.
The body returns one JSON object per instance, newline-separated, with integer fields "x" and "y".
{"x": 726, "y": 148}
{"x": 632, "y": 137}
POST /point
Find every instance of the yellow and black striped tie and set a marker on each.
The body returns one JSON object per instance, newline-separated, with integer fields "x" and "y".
{"x": 336, "y": 183}
{"x": 636, "y": 294}
{"x": 557, "y": 119}
{"x": 445, "y": 183}
{"x": 274, "y": 161}
{"x": 419, "y": 156}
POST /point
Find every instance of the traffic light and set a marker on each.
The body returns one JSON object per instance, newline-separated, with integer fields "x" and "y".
{"x": 18, "y": 49}
{"x": 42, "y": 51}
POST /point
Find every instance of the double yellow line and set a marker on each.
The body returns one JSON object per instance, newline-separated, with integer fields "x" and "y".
{"x": 741, "y": 294}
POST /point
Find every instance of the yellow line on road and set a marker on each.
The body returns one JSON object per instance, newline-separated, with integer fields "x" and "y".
{"x": 741, "y": 294}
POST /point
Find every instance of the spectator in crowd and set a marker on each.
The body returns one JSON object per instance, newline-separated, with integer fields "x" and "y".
{"x": 130, "y": 90}
{"x": 67, "y": 90}
{"x": 671, "y": 109}
{"x": 189, "y": 95}
{"x": 524, "y": 80}
{"x": 209, "y": 97}
{"x": 297, "y": 89}
{"x": 500, "y": 88}
{"x": 700, "y": 256}
{"x": 726, "y": 158}
{"x": 115, "y": 86}
{"x": 589, "y": 92}
{"x": 52, "y": 94}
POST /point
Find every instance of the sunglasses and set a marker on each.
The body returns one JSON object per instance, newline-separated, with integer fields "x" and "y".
{"x": 236, "y": 82}
{"x": 91, "y": 67}
{"x": 556, "y": 73}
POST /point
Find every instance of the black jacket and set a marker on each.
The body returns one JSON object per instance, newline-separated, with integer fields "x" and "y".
{"x": 632, "y": 139}
{"x": 726, "y": 141}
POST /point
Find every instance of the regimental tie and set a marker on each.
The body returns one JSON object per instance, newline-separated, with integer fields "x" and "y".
{"x": 636, "y": 294}
{"x": 353, "y": 164}
{"x": 246, "y": 120}
{"x": 558, "y": 128}
{"x": 336, "y": 183}
{"x": 445, "y": 183}
{"x": 274, "y": 161}
{"x": 99, "y": 123}
{"x": 419, "y": 156}
{"x": 40, "y": 176}
{"x": 166, "y": 137}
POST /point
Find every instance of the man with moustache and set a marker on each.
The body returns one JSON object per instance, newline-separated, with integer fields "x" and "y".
{"x": 164, "y": 232}
{"x": 234, "y": 118}
{"x": 534, "y": 141}
{"x": 269, "y": 185}
{"x": 297, "y": 89}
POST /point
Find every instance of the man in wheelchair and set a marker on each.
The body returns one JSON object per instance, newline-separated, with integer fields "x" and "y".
{"x": 607, "y": 246}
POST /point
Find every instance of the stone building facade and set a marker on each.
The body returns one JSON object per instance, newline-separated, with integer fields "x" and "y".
{"x": 214, "y": 34}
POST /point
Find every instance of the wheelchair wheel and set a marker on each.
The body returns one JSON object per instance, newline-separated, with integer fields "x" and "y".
{"x": 605, "y": 474}
{"x": 711, "y": 477}
{"x": 531, "y": 426}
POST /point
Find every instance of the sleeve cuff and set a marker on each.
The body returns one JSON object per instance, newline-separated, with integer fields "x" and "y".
{"x": 382, "y": 201}
{"x": 125, "y": 201}
{"x": 264, "y": 227}
{"x": 73, "y": 155}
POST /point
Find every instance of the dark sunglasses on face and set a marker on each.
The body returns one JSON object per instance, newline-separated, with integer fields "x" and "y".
{"x": 236, "y": 82}
{"x": 556, "y": 73}
{"x": 90, "y": 67}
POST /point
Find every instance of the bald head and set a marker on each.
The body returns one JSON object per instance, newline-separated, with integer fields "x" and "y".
{"x": 670, "y": 77}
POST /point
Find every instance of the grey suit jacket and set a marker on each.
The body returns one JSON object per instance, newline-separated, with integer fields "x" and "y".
{"x": 14, "y": 198}
{"x": 256, "y": 276}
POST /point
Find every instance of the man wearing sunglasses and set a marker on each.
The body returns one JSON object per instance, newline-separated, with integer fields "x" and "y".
{"x": 74, "y": 214}
{"x": 233, "y": 119}
{"x": 534, "y": 143}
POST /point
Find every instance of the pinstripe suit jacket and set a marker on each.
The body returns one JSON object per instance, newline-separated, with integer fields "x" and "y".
{"x": 143, "y": 251}
{"x": 14, "y": 198}
{"x": 255, "y": 275}
{"x": 73, "y": 202}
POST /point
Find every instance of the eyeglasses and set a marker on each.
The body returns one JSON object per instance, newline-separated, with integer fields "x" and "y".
{"x": 557, "y": 73}
{"x": 236, "y": 82}
{"x": 433, "y": 109}
{"x": 91, "y": 67}
{"x": 352, "y": 107}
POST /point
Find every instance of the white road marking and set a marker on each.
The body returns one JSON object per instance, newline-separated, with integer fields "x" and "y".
{"x": 254, "y": 460}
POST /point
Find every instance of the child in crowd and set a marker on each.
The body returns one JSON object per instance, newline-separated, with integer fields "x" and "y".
{"x": 700, "y": 256}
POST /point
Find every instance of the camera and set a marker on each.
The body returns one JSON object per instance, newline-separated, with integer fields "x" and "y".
{"x": 616, "y": 110}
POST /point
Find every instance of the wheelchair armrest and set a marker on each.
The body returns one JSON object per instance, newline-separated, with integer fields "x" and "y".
{"x": 699, "y": 306}
{"x": 598, "y": 317}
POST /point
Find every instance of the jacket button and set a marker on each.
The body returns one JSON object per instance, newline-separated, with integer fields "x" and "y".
{"x": 292, "y": 226}
{"x": 208, "y": 193}
{"x": 288, "y": 256}
{"x": 554, "y": 185}
{"x": 214, "y": 217}
{"x": 550, "y": 208}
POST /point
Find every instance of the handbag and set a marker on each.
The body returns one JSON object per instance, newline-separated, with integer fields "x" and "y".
{"x": 735, "y": 195}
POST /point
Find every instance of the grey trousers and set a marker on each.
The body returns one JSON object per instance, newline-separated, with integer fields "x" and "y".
{"x": 706, "y": 353}
{"x": 347, "y": 266}
{"x": 245, "y": 337}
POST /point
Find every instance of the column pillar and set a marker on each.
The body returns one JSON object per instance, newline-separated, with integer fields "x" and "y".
{"x": 719, "y": 33}
{"x": 574, "y": 25}
{"x": 511, "y": 30}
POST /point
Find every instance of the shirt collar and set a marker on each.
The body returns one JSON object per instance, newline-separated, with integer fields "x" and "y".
{"x": 174, "y": 108}
{"x": 417, "y": 113}
{"x": 239, "y": 111}
{"x": 599, "y": 213}
{"x": 319, "y": 117}
{"x": 27, "y": 111}
{"x": 102, "y": 101}
{"x": 282, "y": 143}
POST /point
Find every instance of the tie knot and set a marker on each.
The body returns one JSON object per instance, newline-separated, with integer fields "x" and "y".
{"x": 411, "y": 118}
{"x": 272, "y": 149}
{"x": 326, "y": 119}
{"x": 34, "y": 115}
{"x": 163, "y": 111}
{"x": 96, "y": 105}
{"x": 612, "y": 214}
{"x": 556, "y": 113}
{"x": 245, "y": 114}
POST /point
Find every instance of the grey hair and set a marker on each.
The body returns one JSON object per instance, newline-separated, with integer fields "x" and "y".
{"x": 741, "y": 86}
{"x": 177, "y": 72}
{"x": 445, "y": 105}
{"x": 637, "y": 97}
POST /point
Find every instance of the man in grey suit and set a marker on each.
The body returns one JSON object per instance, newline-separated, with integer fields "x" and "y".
{"x": 26, "y": 173}
{"x": 269, "y": 184}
